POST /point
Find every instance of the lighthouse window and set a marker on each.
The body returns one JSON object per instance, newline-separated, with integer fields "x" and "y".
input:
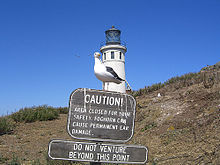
{"x": 112, "y": 55}
{"x": 104, "y": 56}
{"x": 120, "y": 55}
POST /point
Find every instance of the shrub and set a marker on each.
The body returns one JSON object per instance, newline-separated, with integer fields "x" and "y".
{"x": 184, "y": 78}
{"x": 148, "y": 89}
{"x": 179, "y": 81}
{"x": 15, "y": 161}
{"x": 36, "y": 162}
{"x": 62, "y": 110}
{"x": 3, "y": 159}
{"x": 6, "y": 125}
{"x": 40, "y": 113}
{"x": 149, "y": 126}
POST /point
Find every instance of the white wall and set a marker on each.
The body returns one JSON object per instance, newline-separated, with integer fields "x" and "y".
{"x": 117, "y": 64}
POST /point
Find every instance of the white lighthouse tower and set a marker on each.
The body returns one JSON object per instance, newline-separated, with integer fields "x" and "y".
{"x": 113, "y": 55}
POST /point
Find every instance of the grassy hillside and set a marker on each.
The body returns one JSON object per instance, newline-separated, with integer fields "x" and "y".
{"x": 179, "y": 122}
{"x": 180, "y": 127}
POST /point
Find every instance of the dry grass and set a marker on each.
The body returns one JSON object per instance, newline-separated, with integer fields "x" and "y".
{"x": 181, "y": 127}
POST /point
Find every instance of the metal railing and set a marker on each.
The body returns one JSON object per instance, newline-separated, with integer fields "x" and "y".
{"x": 122, "y": 43}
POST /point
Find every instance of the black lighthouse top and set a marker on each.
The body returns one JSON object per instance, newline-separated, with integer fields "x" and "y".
{"x": 112, "y": 36}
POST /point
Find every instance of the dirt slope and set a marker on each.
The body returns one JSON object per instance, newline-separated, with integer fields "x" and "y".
{"x": 179, "y": 126}
{"x": 29, "y": 141}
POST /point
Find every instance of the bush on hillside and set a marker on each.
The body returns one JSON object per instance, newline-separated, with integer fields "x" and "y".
{"x": 184, "y": 78}
{"x": 40, "y": 113}
{"x": 62, "y": 110}
{"x": 147, "y": 89}
{"x": 6, "y": 125}
{"x": 15, "y": 161}
{"x": 179, "y": 81}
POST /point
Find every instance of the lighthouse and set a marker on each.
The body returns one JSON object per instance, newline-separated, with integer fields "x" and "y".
{"x": 113, "y": 55}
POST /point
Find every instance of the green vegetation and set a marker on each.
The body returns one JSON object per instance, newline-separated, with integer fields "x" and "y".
{"x": 184, "y": 79}
{"x": 179, "y": 81}
{"x": 36, "y": 162}
{"x": 40, "y": 113}
{"x": 15, "y": 161}
{"x": 6, "y": 125}
{"x": 3, "y": 159}
{"x": 18, "y": 161}
{"x": 148, "y": 89}
{"x": 62, "y": 110}
{"x": 149, "y": 126}
{"x": 28, "y": 115}
{"x": 59, "y": 162}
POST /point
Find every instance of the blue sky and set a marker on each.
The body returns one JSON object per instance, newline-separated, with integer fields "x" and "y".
{"x": 40, "y": 41}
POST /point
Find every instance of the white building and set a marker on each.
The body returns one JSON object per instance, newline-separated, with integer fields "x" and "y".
{"x": 113, "y": 55}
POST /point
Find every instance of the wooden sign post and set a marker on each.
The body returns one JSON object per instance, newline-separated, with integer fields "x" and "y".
{"x": 99, "y": 116}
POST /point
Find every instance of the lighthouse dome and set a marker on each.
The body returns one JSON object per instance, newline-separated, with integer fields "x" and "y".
{"x": 112, "y": 36}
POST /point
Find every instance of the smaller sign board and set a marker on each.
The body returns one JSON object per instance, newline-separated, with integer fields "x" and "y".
{"x": 97, "y": 152}
{"x": 101, "y": 115}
